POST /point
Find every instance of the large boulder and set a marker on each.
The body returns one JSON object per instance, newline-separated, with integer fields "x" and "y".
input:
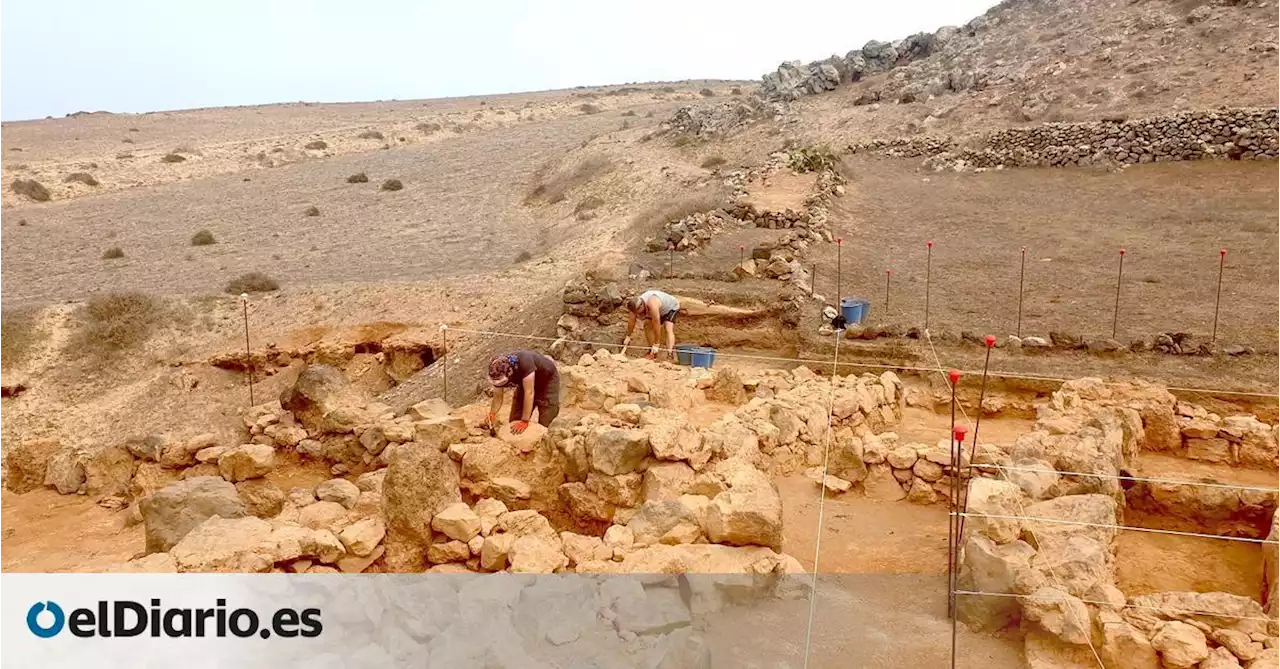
{"x": 749, "y": 513}
{"x": 108, "y": 471}
{"x": 319, "y": 390}
{"x": 1059, "y": 614}
{"x": 27, "y": 464}
{"x": 992, "y": 567}
{"x": 247, "y": 461}
{"x": 223, "y": 545}
{"x": 727, "y": 387}
{"x": 658, "y": 520}
{"x": 616, "y": 450}
{"x": 261, "y": 497}
{"x": 420, "y": 482}
{"x": 1180, "y": 645}
{"x": 341, "y": 491}
{"x": 169, "y": 514}
{"x": 65, "y": 471}
{"x": 995, "y": 506}
{"x": 1122, "y": 645}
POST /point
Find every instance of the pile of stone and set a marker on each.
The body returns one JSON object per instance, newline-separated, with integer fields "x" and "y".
{"x": 1240, "y": 440}
{"x": 1237, "y": 134}
{"x": 793, "y": 80}
{"x": 1063, "y": 573}
{"x": 905, "y": 147}
{"x": 722, "y": 118}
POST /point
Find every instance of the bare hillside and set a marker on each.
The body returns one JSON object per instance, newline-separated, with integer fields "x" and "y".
{"x": 1031, "y": 61}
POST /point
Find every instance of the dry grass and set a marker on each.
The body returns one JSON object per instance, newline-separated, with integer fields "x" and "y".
{"x": 392, "y": 184}
{"x": 428, "y": 128}
{"x": 30, "y": 188}
{"x": 523, "y": 256}
{"x": 682, "y": 140}
{"x": 713, "y": 162}
{"x": 371, "y": 134}
{"x": 252, "y": 282}
{"x": 81, "y": 177}
{"x": 311, "y": 211}
{"x": 117, "y": 323}
{"x": 172, "y": 158}
{"x": 662, "y": 214}
{"x": 358, "y": 178}
{"x": 19, "y": 332}
{"x": 588, "y": 108}
{"x": 203, "y": 238}
{"x": 317, "y": 145}
{"x": 113, "y": 253}
{"x": 735, "y": 91}
{"x": 555, "y": 188}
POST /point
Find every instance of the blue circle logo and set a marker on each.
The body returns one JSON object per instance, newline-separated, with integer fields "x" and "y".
{"x": 43, "y": 631}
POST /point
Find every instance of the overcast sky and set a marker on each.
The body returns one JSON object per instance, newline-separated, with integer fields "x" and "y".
{"x": 146, "y": 55}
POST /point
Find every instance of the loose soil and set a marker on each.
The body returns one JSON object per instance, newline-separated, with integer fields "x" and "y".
{"x": 1148, "y": 563}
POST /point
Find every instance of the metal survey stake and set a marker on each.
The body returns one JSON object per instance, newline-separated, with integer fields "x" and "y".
{"x": 444, "y": 360}
{"x": 1115, "y": 318}
{"x": 813, "y": 279}
{"x": 928, "y": 278}
{"x": 954, "y": 377}
{"x": 1217, "y": 302}
{"x": 248, "y": 359}
{"x": 888, "y": 274}
{"x": 839, "y": 248}
{"x": 1022, "y": 274}
{"x": 990, "y": 341}
{"x": 954, "y": 557}
{"x": 742, "y": 254}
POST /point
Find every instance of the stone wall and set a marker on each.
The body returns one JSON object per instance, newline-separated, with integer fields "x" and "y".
{"x": 1223, "y": 134}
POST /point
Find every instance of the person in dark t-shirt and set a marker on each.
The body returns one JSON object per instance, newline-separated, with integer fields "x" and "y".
{"x": 536, "y": 384}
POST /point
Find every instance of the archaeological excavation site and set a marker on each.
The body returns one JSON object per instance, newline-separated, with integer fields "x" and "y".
{"x": 958, "y": 350}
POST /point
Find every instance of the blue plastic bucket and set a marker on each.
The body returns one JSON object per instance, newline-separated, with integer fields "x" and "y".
{"x": 684, "y": 351}
{"x": 854, "y": 310}
{"x": 702, "y": 357}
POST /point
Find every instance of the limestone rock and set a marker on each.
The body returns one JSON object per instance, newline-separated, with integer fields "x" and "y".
{"x": 489, "y": 511}
{"x": 223, "y": 545}
{"x": 169, "y": 514}
{"x": 448, "y": 551}
{"x": 617, "y": 451}
{"x": 457, "y": 521}
{"x": 1180, "y": 645}
{"x": 667, "y": 480}
{"x": 992, "y": 567}
{"x": 902, "y": 457}
{"x": 322, "y": 515}
{"x": 65, "y": 471}
{"x": 1220, "y": 658}
{"x": 341, "y": 491}
{"x": 108, "y": 471}
{"x": 746, "y": 516}
{"x": 581, "y": 549}
{"x": 247, "y": 461}
{"x": 362, "y": 537}
{"x": 881, "y": 485}
{"x": 537, "y": 554}
{"x": 27, "y": 464}
{"x": 261, "y": 497}
{"x": 1124, "y": 647}
{"x": 1059, "y": 614}
{"x": 319, "y": 390}
{"x": 727, "y": 387}
{"x": 419, "y": 483}
{"x": 526, "y": 441}
{"x": 989, "y": 497}
{"x": 494, "y": 552}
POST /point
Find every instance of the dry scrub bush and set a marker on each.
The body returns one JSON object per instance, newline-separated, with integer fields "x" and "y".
{"x": 713, "y": 162}
{"x": 19, "y": 331}
{"x": 814, "y": 159}
{"x": 203, "y": 238}
{"x": 370, "y": 134}
{"x": 428, "y": 128}
{"x": 81, "y": 177}
{"x": 707, "y": 93}
{"x": 392, "y": 184}
{"x": 629, "y": 112}
{"x": 113, "y": 253}
{"x": 117, "y": 323}
{"x": 358, "y": 178}
{"x": 556, "y": 188}
{"x": 588, "y": 108}
{"x": 735, "y": 91}
{"x": 311, "y": 211}
{"x": 667, "y": 212}
{"x": 252, "y": 282}
{"x": 172, "y": 158}
{"x": 682, "y": 140}
{"x": 523, "y": 256}
{"x": 30, "y": 188}
{"x": 318, "y": 145}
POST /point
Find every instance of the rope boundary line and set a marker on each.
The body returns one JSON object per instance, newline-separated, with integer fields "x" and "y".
{"x": 1128, "y": 528}
{"x": 1144, "y": 479}
{"x": 1192, "y": 612}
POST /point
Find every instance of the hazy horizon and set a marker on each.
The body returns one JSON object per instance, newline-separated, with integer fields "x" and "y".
{"x": 142, "y": 56}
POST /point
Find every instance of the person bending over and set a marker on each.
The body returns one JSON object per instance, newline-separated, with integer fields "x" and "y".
{"x": 658, "y": 310}
{"x": 536, "y": 384}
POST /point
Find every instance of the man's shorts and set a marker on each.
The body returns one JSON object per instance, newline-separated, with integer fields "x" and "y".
{"x": 669, "y": 317}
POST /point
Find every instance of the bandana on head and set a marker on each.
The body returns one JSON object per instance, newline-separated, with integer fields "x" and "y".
{"x": 501, "y": 367}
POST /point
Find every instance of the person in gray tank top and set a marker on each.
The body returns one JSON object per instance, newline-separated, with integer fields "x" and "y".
{"x": 658, "y": 310}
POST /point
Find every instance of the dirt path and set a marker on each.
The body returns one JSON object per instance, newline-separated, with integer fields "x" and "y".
{"x": 48, "y": 532}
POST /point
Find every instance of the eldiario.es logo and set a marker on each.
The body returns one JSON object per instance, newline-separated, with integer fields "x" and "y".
{"x": 124, "y": 618}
